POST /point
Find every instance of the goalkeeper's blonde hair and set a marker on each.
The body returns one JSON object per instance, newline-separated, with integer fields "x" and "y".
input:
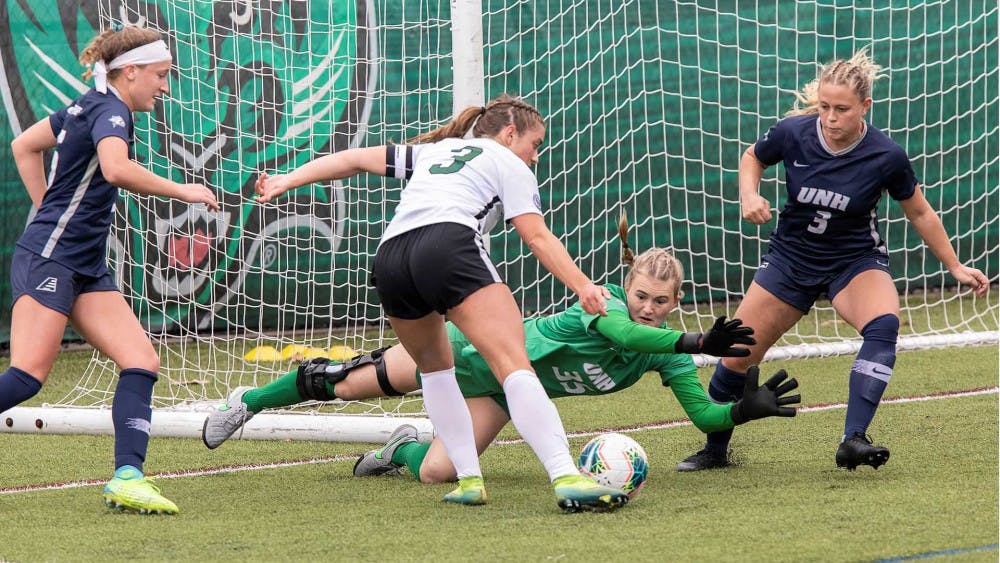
{"x": 858, "y": 73}
{"x": 657, "y": 263}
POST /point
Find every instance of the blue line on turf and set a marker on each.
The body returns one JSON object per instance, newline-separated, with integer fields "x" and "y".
{"x": 942, "y": 553}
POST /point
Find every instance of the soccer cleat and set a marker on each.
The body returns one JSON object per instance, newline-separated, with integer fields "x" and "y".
{"x": 577, "y": 492}
{"x": 705, "y": 459}
{"x": 227, "y": 419}
{"x": 470, "y": 491}
{"x": 130, "y": 491}
{"x": 379, "y": 462}
{"x": 858, "y": 450}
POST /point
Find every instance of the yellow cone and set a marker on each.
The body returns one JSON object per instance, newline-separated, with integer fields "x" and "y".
{"x": 341, "y": 353}
{"x": 262, "y": 354}
{"x": 294, "y": 352}
{"x": 311, "y": 353}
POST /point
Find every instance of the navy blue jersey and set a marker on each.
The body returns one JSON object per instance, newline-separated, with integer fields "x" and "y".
{"x": 74, "y": 219}
{"x": 830, "y": 216}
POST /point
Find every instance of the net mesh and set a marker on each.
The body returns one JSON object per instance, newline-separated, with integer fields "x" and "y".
{"x": 648, "y": 106}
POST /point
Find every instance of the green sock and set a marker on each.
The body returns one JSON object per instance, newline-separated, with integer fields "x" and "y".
{"x": 281, "y": 392}
{"x": 412, "y": 456}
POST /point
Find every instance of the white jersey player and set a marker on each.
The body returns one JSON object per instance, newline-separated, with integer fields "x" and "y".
{"x": 431, "y": 262}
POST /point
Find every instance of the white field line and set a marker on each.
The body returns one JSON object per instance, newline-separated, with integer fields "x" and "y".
{"x": 352, "y": 457}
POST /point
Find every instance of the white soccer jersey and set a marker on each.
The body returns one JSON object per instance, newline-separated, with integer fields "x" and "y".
{"x": 472, "y": 182}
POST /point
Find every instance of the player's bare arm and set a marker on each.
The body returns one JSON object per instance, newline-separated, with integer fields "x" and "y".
{"x": 336, "y": 166}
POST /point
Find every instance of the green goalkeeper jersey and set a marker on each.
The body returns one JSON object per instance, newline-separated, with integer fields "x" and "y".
{"x": 576, "y": 353}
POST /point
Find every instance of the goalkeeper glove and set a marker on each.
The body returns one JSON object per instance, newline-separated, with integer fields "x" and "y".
{"x": 766, "y": 400}
{"x": 719, "y": 340}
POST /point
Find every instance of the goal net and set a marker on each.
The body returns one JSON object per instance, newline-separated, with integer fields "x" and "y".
{"x": 648, "y": 105}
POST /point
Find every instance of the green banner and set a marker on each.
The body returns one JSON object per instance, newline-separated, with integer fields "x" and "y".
{"x": 649, "y": 105}
{"x": 252, "y": 90}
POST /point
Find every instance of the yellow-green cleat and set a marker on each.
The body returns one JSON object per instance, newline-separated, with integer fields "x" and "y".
{"x": 471, "y": 491}
{"x": 130, "y": 491}
{"x": 577, "y": 492}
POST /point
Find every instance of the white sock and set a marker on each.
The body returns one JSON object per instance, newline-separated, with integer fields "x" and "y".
{"x": 537, "y": 419}
{"x": 448, "y": 412}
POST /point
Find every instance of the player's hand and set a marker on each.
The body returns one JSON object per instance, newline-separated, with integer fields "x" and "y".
{"x": 719, "y": 340}
{"x": 755, "y": 209}
{"x": 593, "y": 299}
{"x": 199, "y": 193}
{"x": 766, "y": 400}
{"x": 269, "y": 187}
{"x": 973, "y": 278}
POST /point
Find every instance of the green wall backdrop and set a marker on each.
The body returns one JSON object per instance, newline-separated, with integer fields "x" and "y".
{"x": 649, "y": 106}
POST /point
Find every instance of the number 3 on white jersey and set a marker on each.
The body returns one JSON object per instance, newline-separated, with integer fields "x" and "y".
{"x": 462, "y": 156}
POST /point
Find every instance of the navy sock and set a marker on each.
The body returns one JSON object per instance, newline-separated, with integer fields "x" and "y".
{"x": 871, "y": 372}
{"x": 16, "y": 387}
{"x": 726, "y": 386}
{"x": 131, "y": 413}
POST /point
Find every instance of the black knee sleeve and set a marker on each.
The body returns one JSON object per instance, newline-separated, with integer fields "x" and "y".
{"x": 315, "y": 374}
{"x": 312, "y": 377}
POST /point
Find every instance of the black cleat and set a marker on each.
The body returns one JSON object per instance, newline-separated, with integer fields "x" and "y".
{"x": 858, "y": 450}
{"x": 705, "y": 459}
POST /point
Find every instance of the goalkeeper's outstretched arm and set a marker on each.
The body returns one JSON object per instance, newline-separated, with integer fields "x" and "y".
{"x": 767, "y": 400}
{"x": 721, "y": 340}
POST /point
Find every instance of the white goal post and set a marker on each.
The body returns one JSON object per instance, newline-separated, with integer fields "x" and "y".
{"x": 648, "y": 106}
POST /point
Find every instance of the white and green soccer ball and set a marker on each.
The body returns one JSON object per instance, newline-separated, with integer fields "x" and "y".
{"x": 615, "y": 460}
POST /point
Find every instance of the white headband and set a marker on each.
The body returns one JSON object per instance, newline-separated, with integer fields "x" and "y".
{"x": 154, "y": 52}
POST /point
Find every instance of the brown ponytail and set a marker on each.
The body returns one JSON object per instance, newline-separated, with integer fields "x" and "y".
{"x": 111, "y": 43}
{"x": 486, "y": 121}
{"x": 628, "y": 258}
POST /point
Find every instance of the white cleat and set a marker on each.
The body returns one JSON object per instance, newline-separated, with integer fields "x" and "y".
{"x": 227, "y": 419}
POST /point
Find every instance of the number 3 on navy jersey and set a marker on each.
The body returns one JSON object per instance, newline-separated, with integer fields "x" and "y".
{"x": 462, "y": 156}
{"x": 819, "y": 222}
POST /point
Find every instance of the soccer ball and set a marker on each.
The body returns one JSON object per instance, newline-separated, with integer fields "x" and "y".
{"x": 615, "y": 460}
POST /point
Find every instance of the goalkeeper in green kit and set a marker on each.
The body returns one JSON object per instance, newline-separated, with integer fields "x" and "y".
{"x": 573, "y": 353}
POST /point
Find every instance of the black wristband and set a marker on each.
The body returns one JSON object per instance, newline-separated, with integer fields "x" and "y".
{"x": 736, "y": 413}
{"x": 688, "y": 343}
